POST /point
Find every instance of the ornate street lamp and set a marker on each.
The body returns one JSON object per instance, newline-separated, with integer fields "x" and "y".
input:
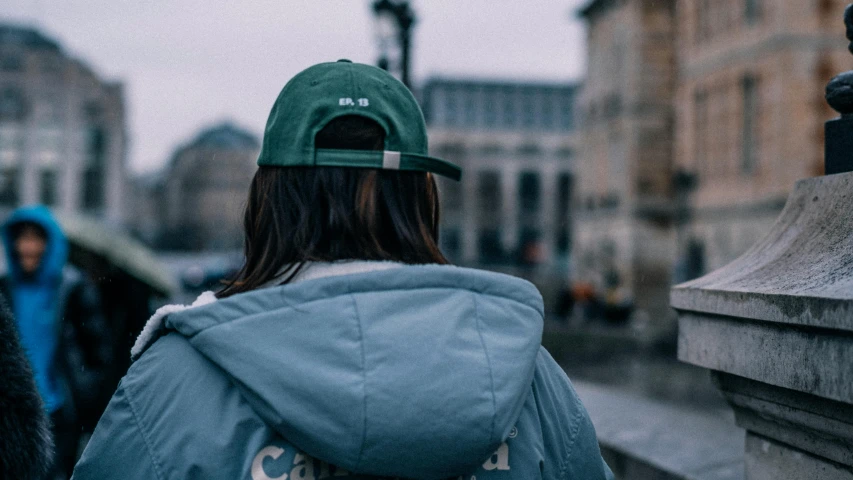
{"x": 394, "y": 20}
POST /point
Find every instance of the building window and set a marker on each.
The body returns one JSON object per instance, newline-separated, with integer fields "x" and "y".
{"x": 451, "y": 110}
{"x": 567, "y": 115}
{"x": 826, "y": 10}
{"x": 11, "y": 63}
{"x": 48, "y": 187}
{"x": 92, "y": 111}
{"x": 492, "y": 149}
{"x": 566, "y": 153}
{"x": 703, "y": 20}
{"x": 530, "y": 150}
{"x": 451, "y": 194}
{"x": 52, "y": 65}
{"x": 529, "y": 191}
{"x": 489, "y": 191}
{"x": 50, "y": 145}
{"x": 11, "y": 146}
{"x": 9, "y": 186}
{"x": 509, "y": 112}
{"x": 50, "y": 111}
{"x": 700, "y": 136}
{"x": 749, "y": 154}
{"x": 564, "y": 200}
{"x": 470, "y": 110}
{"x": 563, "y": 241}
{"x": 564, "y": 194}
{"x": 491, "y": 113}
{"x": 529, "y": 106}
{"x": 547, "y": 119}
{"x": 93, "y": 174}
{"x": 529, "y": 247}
{"x": 490, "y": 246}
{"x": 451, "y": 242}
{"x": 610, "y": 201}
{"x": 13, "y": 108}
{"x": 612, "y": 106}
{"x": 752, "y": 11}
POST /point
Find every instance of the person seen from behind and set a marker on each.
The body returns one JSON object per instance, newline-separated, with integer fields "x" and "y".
{"x": 61, "y": 327}
{"x": 347, "y": 346}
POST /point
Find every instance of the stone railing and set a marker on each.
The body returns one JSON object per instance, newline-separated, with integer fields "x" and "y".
{"x": 775, "y": 326}
{"x": 776, "y": 329}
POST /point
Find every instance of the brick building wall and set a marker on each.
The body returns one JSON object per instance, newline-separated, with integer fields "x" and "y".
{"x": 725, "y": 92}
{"x": 750, "y": 110}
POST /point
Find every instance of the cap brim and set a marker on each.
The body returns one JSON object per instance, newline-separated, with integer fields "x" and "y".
{"x": 387, "y": 160}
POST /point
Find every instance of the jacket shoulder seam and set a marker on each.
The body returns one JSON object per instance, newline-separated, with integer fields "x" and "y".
{"x": 574, "y": 432}
{"x": 142, "y": 433}
{"x": 492, "y": 433}
{"x": 363, "y": 382}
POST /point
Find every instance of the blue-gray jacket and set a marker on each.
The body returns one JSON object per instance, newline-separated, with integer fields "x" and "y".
{"x": 425, "y": 372}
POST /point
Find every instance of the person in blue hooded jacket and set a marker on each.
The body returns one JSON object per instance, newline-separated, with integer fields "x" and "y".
{"x": 347, "y": 347}
{"x": 62, "y": 329}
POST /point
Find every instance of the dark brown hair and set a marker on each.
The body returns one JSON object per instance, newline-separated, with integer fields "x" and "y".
{"x": 303, "y": 214}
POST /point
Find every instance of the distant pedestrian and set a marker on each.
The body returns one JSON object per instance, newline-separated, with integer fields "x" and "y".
{"x": 25, "y": 444}
{"x": 347, "y": 346}
{"x": 58, "y": 316}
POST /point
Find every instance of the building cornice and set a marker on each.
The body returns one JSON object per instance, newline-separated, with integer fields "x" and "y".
{"x": 698, "y": 65}
{"x": 508, "y": 83}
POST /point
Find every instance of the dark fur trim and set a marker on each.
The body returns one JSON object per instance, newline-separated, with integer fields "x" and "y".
{"x": 25, "y": 442}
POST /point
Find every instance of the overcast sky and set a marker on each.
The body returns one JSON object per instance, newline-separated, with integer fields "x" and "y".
{"x": 187, "y": 64}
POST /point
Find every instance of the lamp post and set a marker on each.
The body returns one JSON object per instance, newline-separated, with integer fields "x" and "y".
{"x": 390, "y": 16}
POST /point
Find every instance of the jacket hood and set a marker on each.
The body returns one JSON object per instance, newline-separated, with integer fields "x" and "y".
{"x": 417, "y": 371}
{"x": 56, "y": 251}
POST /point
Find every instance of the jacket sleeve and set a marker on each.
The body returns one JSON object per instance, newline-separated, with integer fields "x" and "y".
{"x": 119, "y": 447}
{"x": 568, "y": 433}
{"x": 584, "y": 455}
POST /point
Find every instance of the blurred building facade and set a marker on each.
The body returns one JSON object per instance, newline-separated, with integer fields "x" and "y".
{"x": 196, "y": 202}
{"x": 750, "y": 114}
{"x": 624, "y": 245}
{"x": 697, "y": 117}
{"x": 62, "y": 129}
{"x": 515, "y": 142}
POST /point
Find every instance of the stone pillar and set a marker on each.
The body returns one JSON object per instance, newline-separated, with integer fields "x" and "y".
{"x": 470, "y": 213}
{"x": 548, "y": 209}
{"x": 775, "y": 327}
{"x": 114, "y": 186}
{"x": 510, "y": 206}
{"x": 28, "y": 164}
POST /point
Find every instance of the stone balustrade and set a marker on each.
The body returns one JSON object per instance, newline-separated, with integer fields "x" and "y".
{"x": 775, "y": 327}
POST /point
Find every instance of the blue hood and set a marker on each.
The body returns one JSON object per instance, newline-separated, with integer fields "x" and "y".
{"x": 416, "y": 369}
{"x": 56, "y": 252}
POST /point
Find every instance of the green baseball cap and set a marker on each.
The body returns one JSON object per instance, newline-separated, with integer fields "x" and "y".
{"x": 321, "y": 93}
